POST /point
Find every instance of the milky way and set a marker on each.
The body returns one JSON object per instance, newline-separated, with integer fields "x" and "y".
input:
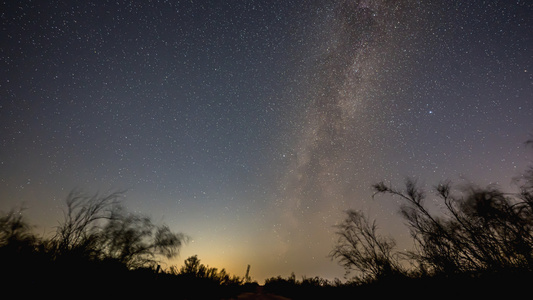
{"x": 334, "y": 151}
{"x": 363, "y": 108}
{"x": 341, "y": 86}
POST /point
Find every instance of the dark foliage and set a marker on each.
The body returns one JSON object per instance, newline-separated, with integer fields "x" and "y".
{"x": 203, "y": 282}
{"x": 98, "y": 228}
{"x": 98, "y": 250}
{"x": 481, "y": 230}
{"x": 482, "y": 238}
{"x": 360, "y": 248}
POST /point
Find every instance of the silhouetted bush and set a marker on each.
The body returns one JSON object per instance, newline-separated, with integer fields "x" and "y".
{"x": 483, "y": 234}
{"x": 21, "y": 251}
{"x": 98, "y": 228}
{"x": 100, "y": 249}
{"x": 282, "y": 286}
{"x": 482, "y": 230}
{"x": 93, "y": 249}
{"x": 202, "y": 282}
{"x": 307, "y": 288}
{"x": 360, "y": 248}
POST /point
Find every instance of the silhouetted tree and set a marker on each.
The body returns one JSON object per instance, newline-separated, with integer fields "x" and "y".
{"x": 481, "y": 230}
{"x": 81, "y": 229}
{"x": 22, "y": 255}
{"x": 98, "y": 228}
{"x": 15, "y": 232}
{"x": 203, "y": 282}
{"x": 434, "y": 243}
{"x": 98, "y": 246}
{"x": 193, "y": 268}
{"x": 360, "y": 248}
{"x": 134, "y": 241}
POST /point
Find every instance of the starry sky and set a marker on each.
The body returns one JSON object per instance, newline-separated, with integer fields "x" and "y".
{"x": 252, "y": 125}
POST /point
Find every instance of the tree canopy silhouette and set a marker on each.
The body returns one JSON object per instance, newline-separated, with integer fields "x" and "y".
{"x": 480, "y": 230}
{"x": 98, "y": 246}
{"x": 360, "y": 247}
{"x": 98, "y": 227}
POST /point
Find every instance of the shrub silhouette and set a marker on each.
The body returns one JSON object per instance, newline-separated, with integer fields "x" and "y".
{"x": 481, "y": 231}
{"x": 194, "y": 269}
{"x": 15, "y": 234}
{"x": 360, "y": 248}
{"x": 135, "y": 242}
{"x": 20, "y": 249}
{"x": 97, "y": 244}
{"x": 204, "y": 282}
{"x": 98, "y": 228}
{"x": 100, "y": 247}
{"x": 307, "y": 287}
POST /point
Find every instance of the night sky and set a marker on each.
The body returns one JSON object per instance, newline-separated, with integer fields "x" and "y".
{"x": 251, "y": 125}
